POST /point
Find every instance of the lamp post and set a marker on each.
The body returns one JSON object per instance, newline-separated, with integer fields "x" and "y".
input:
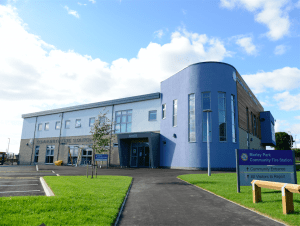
{"x": 208, "y": 147}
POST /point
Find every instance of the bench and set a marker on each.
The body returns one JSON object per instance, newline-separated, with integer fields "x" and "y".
{"x": 287, "y": 191}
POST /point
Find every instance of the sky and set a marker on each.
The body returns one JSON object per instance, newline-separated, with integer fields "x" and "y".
{"x": 57, "y": 54}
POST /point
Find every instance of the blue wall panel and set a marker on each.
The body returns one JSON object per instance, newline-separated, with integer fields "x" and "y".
{"x": 267, "y": 128}
{"x": 197, "y": 78}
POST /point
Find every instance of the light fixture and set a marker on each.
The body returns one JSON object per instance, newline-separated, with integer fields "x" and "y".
{"x": 174, "y": 135}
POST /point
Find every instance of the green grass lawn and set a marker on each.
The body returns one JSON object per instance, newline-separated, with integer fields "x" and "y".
{"x": 78, "y": 201}
{"x": 225, "y": 185}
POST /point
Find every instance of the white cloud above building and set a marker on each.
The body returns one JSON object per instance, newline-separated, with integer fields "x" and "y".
{"x": 273, "y": 14}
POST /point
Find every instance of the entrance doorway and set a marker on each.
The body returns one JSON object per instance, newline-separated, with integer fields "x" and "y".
{"x": 140, "y": 155}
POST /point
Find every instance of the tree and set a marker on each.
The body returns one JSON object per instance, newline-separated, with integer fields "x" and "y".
{"x": 101, "y": 134}
{"x": 284, "y": 141}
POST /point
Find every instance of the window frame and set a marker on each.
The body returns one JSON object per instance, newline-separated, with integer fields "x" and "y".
{"x": 189, "y": 117}
{"x": 152, "y": 111}
{"x": 50, "y": 148}
{"x": 46, "y": 126}
{"x": 90, "y": 124}
{"x": 57, "y": 122}
{"x": 233, "y": 116}
{"x": 163, "y": 115}
{"x": 69, "y": 126}
{"x": 40, "y": 126}
{"x": 76, "y": 123}
{"x": 175, "y": 103}
{"x": 204, "y": 121}
{"x": 119, "y": 114}
{"x": 225, "y": 118}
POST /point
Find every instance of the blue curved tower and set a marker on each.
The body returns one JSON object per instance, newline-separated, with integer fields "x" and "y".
{"x": 184, "y": 96}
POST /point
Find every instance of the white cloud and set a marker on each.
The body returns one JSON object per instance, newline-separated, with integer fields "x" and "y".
{"x": 72, "y": 12}
{"x": 281, "y": 125}
{"x": 247, "y": 44}
{"x": 159, "y": 33}
{"x": 286, "y": 78}
{"x": 272, "y": 13}
{"x": 287, "y": 101}
{"x": 92, "y": 1}
{"x": 36, "y": 76}
{"x": 280, "y": 49}
{"x": 297, "y": 117}
{"x": 297, "y": 5}
{"x": 184, "y": 11}
{"x": 81, "y": 4}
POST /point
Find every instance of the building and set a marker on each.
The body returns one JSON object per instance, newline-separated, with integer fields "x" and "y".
{"x": 164, "y": 129}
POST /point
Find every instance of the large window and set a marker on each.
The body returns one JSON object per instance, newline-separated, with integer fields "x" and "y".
{"x": 77, "y": 123}
{"x": 174, "y": 113}
{"x": 206, "y": 106}
{"x": 255, "y": 125}
{"x": 74, "y": 154}
{"x": 222, "y": 115}
{"x": 164, "y": 107}
{"x": 92, "y": 121}
{"x": 49, "y": 153}
{"x": 86, "y": 157}
{"x": 233, "y": 127}
{"x": 36, "y": 154}
{"x": 68, "y": 122}
{"x": 152, "y": 115}
{"x": 123, "y": 121}
{"x": 192, "y": 122}
{"x": 40, "y": 126}
{"x": 47, "y": 126}
{"x": 57, "y": 125}
{"x": 273, "y": 131}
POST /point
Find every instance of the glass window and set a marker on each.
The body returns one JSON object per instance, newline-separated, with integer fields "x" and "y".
{"x": 252, "y": 126}
{"x": 273, "y": 131}
{"x": 174, "y": 113}
{"x": 47, "y": 126}
{"x": 255, "y": 125}
{"x": 49, "y": 153}
{"x": 233, "y": 127}
{"x": 164, "y": 111}
{"x": 123, "y": 121}
{"x": 192, "y": 122}
{"x": 74, "y": 154}
{"x": 68, "y": 122}
{"x": 206, "y": 100}
{"x": 57, "y": 125}
{"x": 40, "y": 126}
{"x": 77, "y": 123}
{"x": 206, "y": 106}
{"x": 91, "y": 121}
{"x": 36, "y": 155}
{"x": 222, "y": 115}
{"x": 152, "y": 115}
{"x": 86, "y": 157}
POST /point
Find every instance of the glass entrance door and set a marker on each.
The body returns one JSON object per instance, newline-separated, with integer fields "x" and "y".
{"x": 140, "y": 155}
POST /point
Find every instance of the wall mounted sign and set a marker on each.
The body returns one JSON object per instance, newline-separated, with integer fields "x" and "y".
{"x": 101, "y": 157}
{"x": 268, "y": 165}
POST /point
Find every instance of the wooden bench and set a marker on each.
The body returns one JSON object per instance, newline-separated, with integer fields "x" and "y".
{"x": 287, "y": 191}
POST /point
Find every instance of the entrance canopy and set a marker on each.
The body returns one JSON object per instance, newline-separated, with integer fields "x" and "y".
{"x": 139, "y": 149}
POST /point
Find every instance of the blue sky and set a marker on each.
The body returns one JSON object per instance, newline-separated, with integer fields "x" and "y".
{"x": 62, "y": 53}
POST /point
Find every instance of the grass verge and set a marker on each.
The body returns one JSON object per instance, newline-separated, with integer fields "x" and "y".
{"x": 78, "y": 201}
{"x": 225, "y": 185}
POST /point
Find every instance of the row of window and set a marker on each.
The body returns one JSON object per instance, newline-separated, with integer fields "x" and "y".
{"x": 254, "y": 126}
{"x": 123, "y": 121}
{"x": 86, "y": 155}
{"x": 206, "y": 105}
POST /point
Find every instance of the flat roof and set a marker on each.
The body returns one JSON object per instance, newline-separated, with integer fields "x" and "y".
{"x": 149, "y": 96}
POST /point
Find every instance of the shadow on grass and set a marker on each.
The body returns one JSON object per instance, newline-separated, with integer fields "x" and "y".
{"x": 265, "y": 192}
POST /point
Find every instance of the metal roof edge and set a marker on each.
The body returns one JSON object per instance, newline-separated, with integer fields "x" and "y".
{"x": 125, "y": 100}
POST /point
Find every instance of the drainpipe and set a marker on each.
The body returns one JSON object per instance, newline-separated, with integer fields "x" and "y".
{"x": 112, "y": 119}
{"x": 33, "y": 139}
{"x": 61, "y": 125}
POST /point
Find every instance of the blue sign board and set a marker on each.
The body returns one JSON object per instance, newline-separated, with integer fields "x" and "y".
{"x": 268, "y": 165}
{"x": 101, "y": 157}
